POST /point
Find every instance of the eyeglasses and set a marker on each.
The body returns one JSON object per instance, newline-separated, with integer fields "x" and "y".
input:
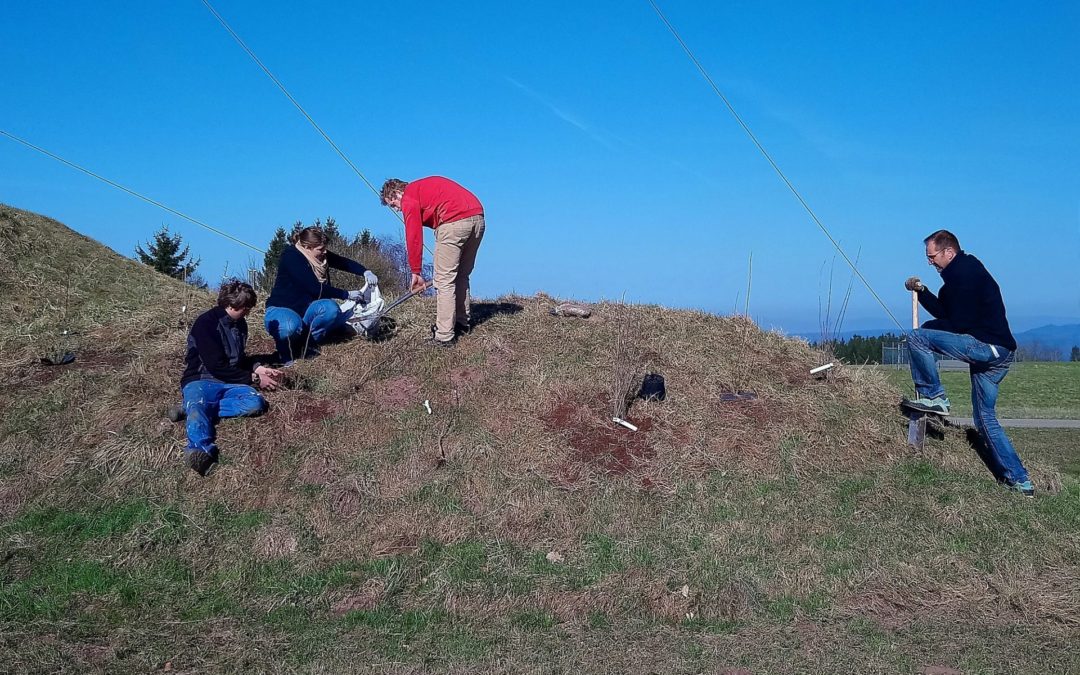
{"x": 932, "y": 256}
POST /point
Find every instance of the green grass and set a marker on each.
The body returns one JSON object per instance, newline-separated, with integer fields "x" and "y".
{"x": 1030, "y": 390}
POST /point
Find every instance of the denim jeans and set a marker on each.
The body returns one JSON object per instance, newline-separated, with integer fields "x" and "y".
{"x": 987, "y": 371}
{"x": 285, "y": 325}
{"x": 207, "y": 401}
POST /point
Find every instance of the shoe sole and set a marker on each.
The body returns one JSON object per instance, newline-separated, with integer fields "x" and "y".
{"x": 912, "y": 405}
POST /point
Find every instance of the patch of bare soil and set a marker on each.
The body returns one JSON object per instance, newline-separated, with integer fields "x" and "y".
{"x": 41, "y": 375}
{"x": 397, "y": 393}
{"x": 596, "y": 441}
{"x": 311, "y": 410}
{"x": 464, "y": 378}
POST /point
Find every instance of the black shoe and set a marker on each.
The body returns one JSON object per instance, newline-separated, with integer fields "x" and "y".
{"x": 462, "y": 329}
{"x": 176, "y": 413}
{"x": 443, "y": 344}
{"x": 200, "y": 462}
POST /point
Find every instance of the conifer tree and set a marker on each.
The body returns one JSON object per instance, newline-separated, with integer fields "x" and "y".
{"x": 167, "y": 254}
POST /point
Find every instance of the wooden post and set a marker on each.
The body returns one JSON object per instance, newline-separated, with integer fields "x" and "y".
{"x": 914, "y": 310}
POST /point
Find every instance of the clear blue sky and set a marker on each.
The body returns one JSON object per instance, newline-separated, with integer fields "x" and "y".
{"x": 606, "y": 165}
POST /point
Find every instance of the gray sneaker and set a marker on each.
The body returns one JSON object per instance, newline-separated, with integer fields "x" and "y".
{"x": 938, "y": 405}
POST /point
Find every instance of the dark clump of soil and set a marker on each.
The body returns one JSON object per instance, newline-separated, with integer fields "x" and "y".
{"x": 596, "y": 440}
{"x": 41, "y": 374}
{"x": 314, "y": 410}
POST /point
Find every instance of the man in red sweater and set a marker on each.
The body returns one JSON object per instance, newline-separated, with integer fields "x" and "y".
{"x": 457, "y": 217}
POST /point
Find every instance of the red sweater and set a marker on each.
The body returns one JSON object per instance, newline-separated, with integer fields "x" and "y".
{"x": 431, "y": 202}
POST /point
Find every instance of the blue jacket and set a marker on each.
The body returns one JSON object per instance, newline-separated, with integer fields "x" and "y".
{"x": 296, "y": 285}
{"x": 970, "y": 303}
{"x": 215, "y": 350}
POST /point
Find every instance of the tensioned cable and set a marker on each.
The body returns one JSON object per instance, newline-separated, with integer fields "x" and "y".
{"x": 309, "y": 118}
{"x": 131, "y": 192}
{"x": 772, "y": 163}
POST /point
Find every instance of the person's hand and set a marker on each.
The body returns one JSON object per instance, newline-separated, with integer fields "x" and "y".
{"x": 417, "y": 283}
{"x": 370, "y": 278}
{"x": 913, "y": 284}
{"x": 356, "y": 296}
{"x": 269, "y": 378}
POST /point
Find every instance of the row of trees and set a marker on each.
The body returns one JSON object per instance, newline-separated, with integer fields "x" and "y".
{"x": 859, "y": 349}
{"x": 167, "y": 253}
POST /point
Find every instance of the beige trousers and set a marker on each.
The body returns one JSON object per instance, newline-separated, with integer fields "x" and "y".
{"x": 455, "y": 254}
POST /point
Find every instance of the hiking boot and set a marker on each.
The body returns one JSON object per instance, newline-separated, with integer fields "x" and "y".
{"x": 442, "y": 344}
{"x": 462, "y": 329}
{"x": 938, "y": 405}
{"x": 1023, "y": 487}
{"x": 200, "y": 462}
{"x": 176, "y": 413}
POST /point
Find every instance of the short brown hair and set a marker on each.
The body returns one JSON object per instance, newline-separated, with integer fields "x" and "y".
{"x": 236, "y": 294}
{"x": 390, "y": 188}
{"x": 943, "y": 239}
{"x": 310, "y": 237}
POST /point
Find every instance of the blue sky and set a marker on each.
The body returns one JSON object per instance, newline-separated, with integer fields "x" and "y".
{"x": 607, "y": 166}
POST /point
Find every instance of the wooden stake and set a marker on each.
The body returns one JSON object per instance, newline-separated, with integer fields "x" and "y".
{"x": 914, "y": 310}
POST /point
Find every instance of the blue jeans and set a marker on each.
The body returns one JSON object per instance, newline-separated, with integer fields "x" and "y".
{"x": 987, "y": 372}
{"x": 286, "y": 326}
{"x": 207, "y": 401}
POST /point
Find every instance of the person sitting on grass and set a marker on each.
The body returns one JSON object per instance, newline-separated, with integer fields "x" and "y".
{"x": 969, "y": 325}
{"x": 219, "y": 379}
{"x": 301, "y": 312}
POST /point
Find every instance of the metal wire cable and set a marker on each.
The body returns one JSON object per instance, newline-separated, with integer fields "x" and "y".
{"x": 308, "y": 117}
{"x": 772, "y": 163}
{"x": 131, "y": 192}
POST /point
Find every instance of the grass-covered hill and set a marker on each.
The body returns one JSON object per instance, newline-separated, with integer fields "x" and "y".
{"x": 514, "y": 528}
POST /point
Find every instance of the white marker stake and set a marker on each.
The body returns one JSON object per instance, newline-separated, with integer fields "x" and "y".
{"x": 623, "y": 422}
{"x": 914, "y": 310}
{"x": 821, "y": 369}
{"x": 427, "y": 406}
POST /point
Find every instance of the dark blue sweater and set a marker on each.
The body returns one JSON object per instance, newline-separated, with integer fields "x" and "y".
{"x": 215, "y": 350}
{"x": 969, "y": 302}
{"x": 296, "y": 285}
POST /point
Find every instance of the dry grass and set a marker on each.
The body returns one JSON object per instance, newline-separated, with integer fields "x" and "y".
{"x": 349, "y": 526}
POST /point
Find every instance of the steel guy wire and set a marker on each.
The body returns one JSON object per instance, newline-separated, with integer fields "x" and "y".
{"x": 131, "y": 192}
{"x": 772, "y": 163}
{"x": 292, "y": 99}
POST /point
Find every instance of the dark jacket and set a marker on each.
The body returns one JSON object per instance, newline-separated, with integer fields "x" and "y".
{"x": 215, "y": 350}
{"x": 296, "y": 286}
{"x": 970, "y": 303}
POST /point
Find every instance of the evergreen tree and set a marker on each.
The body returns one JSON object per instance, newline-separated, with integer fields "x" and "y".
{"x": 167, "y": 254}
{"x": 264, "y": 277}
{"x": 1075, "y": 355}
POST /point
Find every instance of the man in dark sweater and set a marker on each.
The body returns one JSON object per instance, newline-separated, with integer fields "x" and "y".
{"x": 219, "y": 379}
{"x": 969, "y": 325}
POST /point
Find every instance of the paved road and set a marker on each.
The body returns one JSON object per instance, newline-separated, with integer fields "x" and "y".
{"x": 1026, "y": 423}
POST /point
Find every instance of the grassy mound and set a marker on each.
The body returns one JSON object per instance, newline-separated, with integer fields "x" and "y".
{"x": 513, "y": 528}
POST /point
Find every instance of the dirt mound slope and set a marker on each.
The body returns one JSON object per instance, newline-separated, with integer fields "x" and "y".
{"x": 514, "y": 526}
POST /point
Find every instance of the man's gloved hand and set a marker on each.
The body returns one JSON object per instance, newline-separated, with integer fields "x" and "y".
{"x": 370, "y": 277}
{"x": 913, "y": 284}
{"x": 356, "y": 296}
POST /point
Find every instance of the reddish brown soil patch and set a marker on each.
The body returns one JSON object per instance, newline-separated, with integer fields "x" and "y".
{"x": 314, "y": 410}
{"x": 462, "y": 379}
{"x": 596, "y": 440}
{"x": 397, "y": 393}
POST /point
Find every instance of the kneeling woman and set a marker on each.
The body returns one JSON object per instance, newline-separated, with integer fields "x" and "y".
{"x": 301, "y": 311}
